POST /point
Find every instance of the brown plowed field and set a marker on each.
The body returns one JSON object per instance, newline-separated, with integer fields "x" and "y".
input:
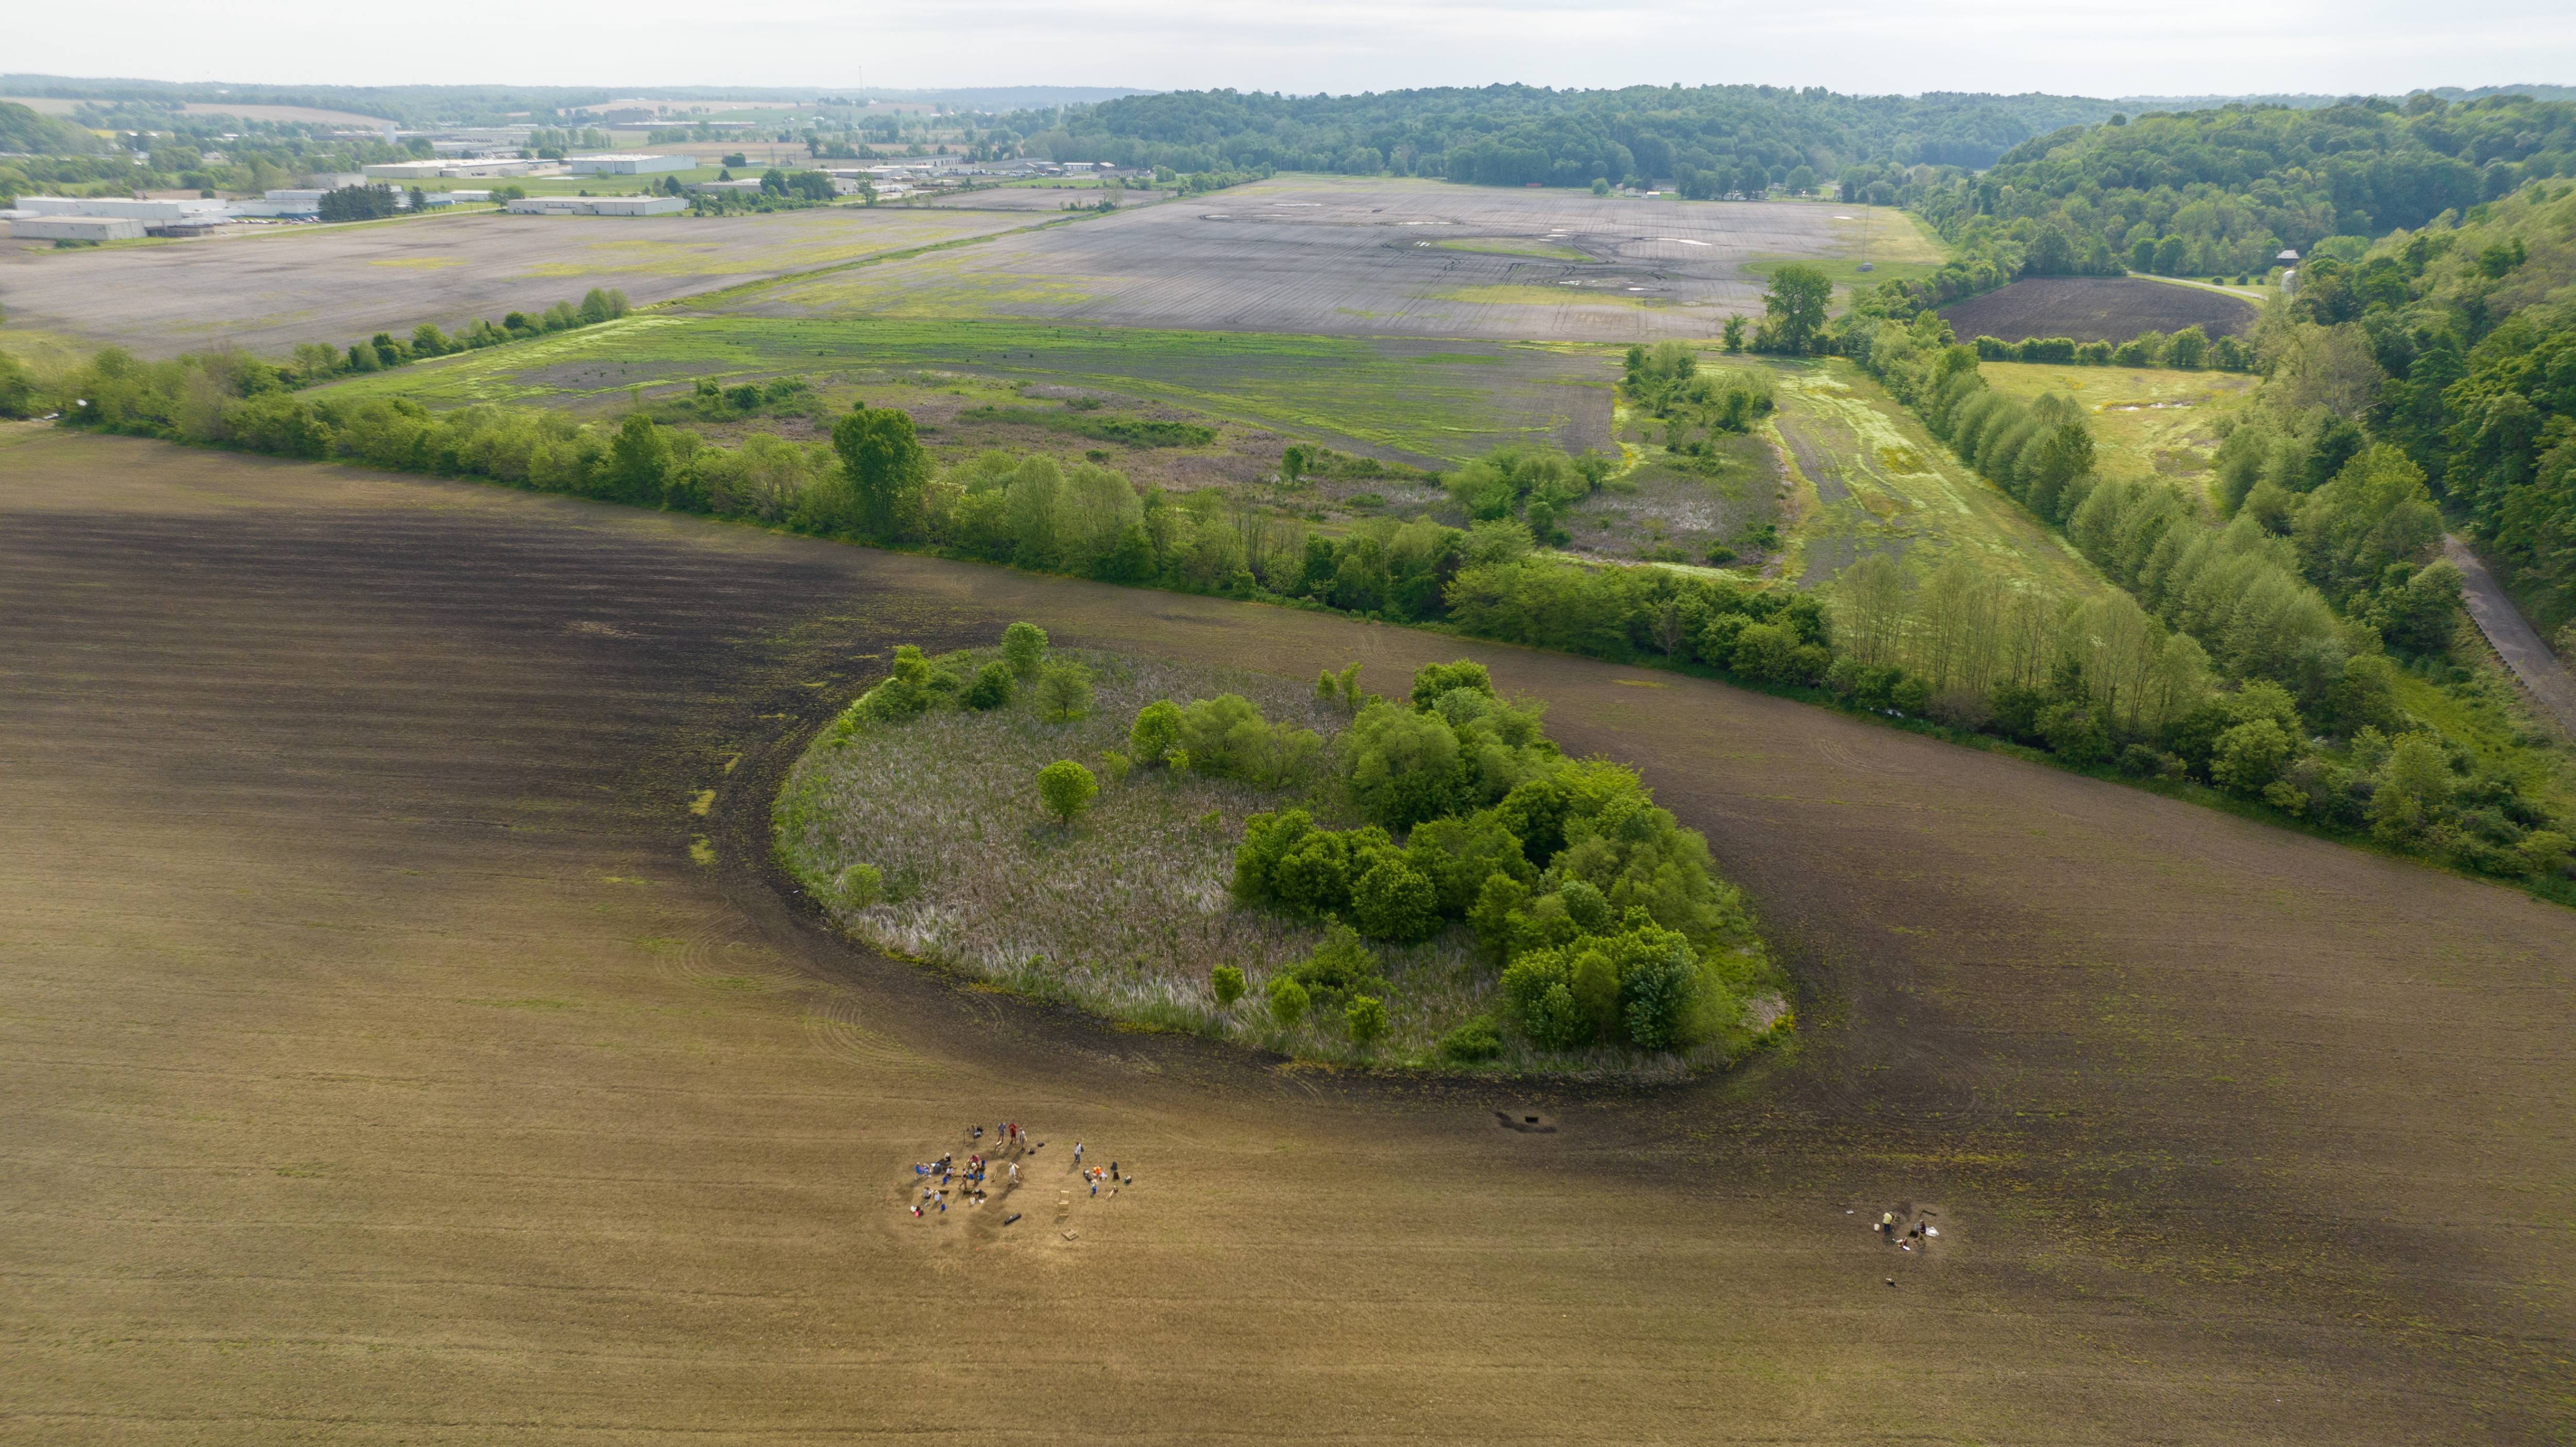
{"x": 1348, "y": 256}
{"x": 2095, "y": 309}
{"x": 381, "y": 1068}
{"x": 266, "y": 292}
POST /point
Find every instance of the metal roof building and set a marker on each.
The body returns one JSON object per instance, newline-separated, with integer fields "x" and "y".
{"x": 628, "y": 163}
{"x": 76, "y": 228}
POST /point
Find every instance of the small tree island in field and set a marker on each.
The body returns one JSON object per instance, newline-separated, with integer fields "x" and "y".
{"x": 1418, "y": 883}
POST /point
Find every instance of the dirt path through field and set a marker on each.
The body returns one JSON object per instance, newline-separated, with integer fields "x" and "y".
{"x": 2512, "y": 636}
{"x": 382, "y": 1068}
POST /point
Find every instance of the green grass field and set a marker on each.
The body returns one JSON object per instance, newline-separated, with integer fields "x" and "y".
{"x": 1870, "y": 480}
{"x": 1437, "y": 404}
{"x": 2147, "y": 422}
{"x": 1893, "y": 244}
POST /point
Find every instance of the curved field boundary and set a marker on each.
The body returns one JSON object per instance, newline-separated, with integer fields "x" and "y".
{"x": 383, "y": 1064}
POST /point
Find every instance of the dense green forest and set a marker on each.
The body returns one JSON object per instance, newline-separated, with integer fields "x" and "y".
{"x": 2226, "y": 190}
{"x": 2265, "y": 655}
{"x": 24, "y": 132}
{"x": 2456, "y": 344}
{"x": 1511, "y": 135}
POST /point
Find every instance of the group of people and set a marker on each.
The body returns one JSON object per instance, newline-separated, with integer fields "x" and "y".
{"x": 1901, "y": 1235}
{"x": 967, "y": 1180}
{"x": 1095, "y": 1175}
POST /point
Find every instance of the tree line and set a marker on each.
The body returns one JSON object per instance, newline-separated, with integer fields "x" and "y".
{"x": 2256, "y": 649}
{"x": 2187, "y": 350}
{"x": 2221, "y": 665}
{"x": 117, "y": 391}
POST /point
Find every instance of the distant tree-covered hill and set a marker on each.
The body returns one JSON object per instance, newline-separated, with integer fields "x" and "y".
{"x": 26, "y": 132}
{"x": 2223, "y": 191}
{"x": 1516, "y": 135}
{"x": 457, "y": 105}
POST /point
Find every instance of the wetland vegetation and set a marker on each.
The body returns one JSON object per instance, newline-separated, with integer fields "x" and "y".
{"x": 1423, "y": 882}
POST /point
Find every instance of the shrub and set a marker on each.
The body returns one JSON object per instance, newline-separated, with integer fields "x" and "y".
{"x": 1341, "y": 965}
{"x": 991, "y": 689}
{"x": 1066, "y": 788}
{"x": 1402, "y": 766}
{"x": 1288, "y": 1001}
{"x": 1432, "y": 680}
{"x": 1267, "y": 839}
{"x": 1156, "y": 732}
{"x": 1226, "y": 983}
{"x": 1473, "y": 1042}
{"x": 2544, "y": 853}
{"x": 1024, "y": 647}
{"x": 1366, "y": 1020}
{"x": 1766, "y": 652}
{"x": 2249, "y": 756}
{"x": 1314, "y": 876}
{"x": 1227, "y": 737}
{"x": 1063, "y": 693}
{"x": 1457, "y": 855}
{"x": 905, "y": 694}
{"x": 1394, "y": 902}
{"x": 19, "y": 395}
{"x": 860, "y": 885}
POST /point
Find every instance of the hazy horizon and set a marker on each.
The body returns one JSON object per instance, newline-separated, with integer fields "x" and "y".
{"x": 2005, "y": 46}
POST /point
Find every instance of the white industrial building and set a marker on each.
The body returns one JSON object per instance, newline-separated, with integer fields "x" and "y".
{"x": 598, "y": 206}
{"x": 74, "y": 228}
{"x": 433, "y": 170}
{"x": 629, "y": 163}
{"x": 736, "y": 188}
{"x": 120, "y": 206}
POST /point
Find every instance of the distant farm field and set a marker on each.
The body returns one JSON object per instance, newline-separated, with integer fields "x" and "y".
{"x": 1405, "y": 399}
{"x": 2097, "y": 309}
{"x": 269, "y": 291}
{"x": 1352, "y": 256}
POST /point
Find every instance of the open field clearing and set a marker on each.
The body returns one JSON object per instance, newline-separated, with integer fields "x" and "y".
{"x": 2147, "y": 422}
{"x": 1403, "y": 399}
{"x": 2097, "y": 309}
{"x": 383, "y": 1068}
{"x": 1371, "y": 257}
{"x": 1876, "y": 482}
{"x": 266, "y": 292}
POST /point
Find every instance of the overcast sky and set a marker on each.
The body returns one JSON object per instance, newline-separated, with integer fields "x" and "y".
{"x": 2182, "y": 47}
